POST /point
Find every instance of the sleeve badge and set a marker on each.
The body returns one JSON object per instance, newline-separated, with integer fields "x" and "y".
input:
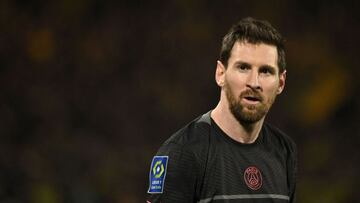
{"x": 157, "y": 174}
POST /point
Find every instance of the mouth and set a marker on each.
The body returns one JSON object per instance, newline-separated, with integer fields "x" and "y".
{"x": 252, "y": 99}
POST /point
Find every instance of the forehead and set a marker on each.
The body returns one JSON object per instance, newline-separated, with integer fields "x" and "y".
{"x": 254, "y": 54}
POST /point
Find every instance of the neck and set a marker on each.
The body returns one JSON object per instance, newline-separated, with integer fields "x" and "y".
{"x": 241, "y": 132}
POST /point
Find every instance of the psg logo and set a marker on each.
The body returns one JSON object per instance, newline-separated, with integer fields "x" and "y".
{"x": 253, "y": 178}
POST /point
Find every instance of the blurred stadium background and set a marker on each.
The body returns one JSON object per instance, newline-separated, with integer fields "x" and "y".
{"x": 90, "y": 89}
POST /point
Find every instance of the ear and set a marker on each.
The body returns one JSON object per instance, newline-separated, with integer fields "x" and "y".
{"x": 282, "y": 78}
{"x": 220, "y": 73}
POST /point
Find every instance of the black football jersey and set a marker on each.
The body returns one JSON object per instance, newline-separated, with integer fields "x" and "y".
{"x": 201, "y": 164}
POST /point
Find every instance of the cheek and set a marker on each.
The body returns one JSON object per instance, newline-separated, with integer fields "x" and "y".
{"x": 271, "y": 89}
{"x": 236, "y": 82}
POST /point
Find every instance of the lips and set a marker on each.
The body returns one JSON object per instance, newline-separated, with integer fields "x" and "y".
{"x": 252, "y": 98}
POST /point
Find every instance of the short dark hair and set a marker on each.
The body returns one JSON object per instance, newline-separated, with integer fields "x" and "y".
{"x": 255, "y": 32}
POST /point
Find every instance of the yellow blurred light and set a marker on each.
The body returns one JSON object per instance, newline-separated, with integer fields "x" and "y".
{"x": 40, "y": 45}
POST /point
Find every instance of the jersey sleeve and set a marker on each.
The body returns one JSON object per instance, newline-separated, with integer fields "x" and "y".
{"x": 292, "y": 172}
{"x": 179, "y": 181}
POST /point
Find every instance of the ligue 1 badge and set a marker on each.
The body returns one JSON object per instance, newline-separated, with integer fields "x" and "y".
{"x": 253, "y": 178}
{"x": 157, "y": 174}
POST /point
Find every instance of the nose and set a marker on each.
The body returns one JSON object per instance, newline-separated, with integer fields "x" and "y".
{"x": 253, "y": 81}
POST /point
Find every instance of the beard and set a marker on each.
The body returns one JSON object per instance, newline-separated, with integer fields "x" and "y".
{"x": 248, "y": 113}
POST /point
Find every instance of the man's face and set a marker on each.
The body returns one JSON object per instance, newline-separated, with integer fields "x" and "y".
{"x": 251, "y": 81}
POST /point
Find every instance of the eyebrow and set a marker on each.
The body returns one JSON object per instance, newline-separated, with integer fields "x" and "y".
{"x": 242, "y": 63}
{"x": 268, "y": 67}
{"x": 248, "y": 64}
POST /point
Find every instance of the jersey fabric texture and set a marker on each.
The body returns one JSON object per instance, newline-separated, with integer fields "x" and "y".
{"x": 205, "y": 165}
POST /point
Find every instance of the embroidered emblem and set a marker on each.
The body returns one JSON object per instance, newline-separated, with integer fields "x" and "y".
{"x": 157, "y": 174}
{"x": 253, "y": 178}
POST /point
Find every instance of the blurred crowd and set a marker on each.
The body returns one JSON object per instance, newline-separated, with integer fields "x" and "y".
{"x": 90, "y": 89}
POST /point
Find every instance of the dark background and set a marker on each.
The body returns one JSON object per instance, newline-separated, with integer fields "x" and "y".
{"x": 90, "y": 89}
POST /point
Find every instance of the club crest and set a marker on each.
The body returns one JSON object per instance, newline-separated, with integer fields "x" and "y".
{"x": 253, "y": 178}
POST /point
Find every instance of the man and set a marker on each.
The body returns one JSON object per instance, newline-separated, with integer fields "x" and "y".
{"x": 229, "y": 154}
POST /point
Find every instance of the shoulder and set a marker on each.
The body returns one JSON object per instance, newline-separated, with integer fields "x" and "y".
{"x": 183, "y": 158}
{"x": 278, "y": 137}
{"x": 195, "y": 132}
{"x": 190, "y": 142}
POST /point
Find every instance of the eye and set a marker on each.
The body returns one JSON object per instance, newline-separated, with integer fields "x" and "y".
{"x": 243, "y": 66}
{"x": 267, "y": 70}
